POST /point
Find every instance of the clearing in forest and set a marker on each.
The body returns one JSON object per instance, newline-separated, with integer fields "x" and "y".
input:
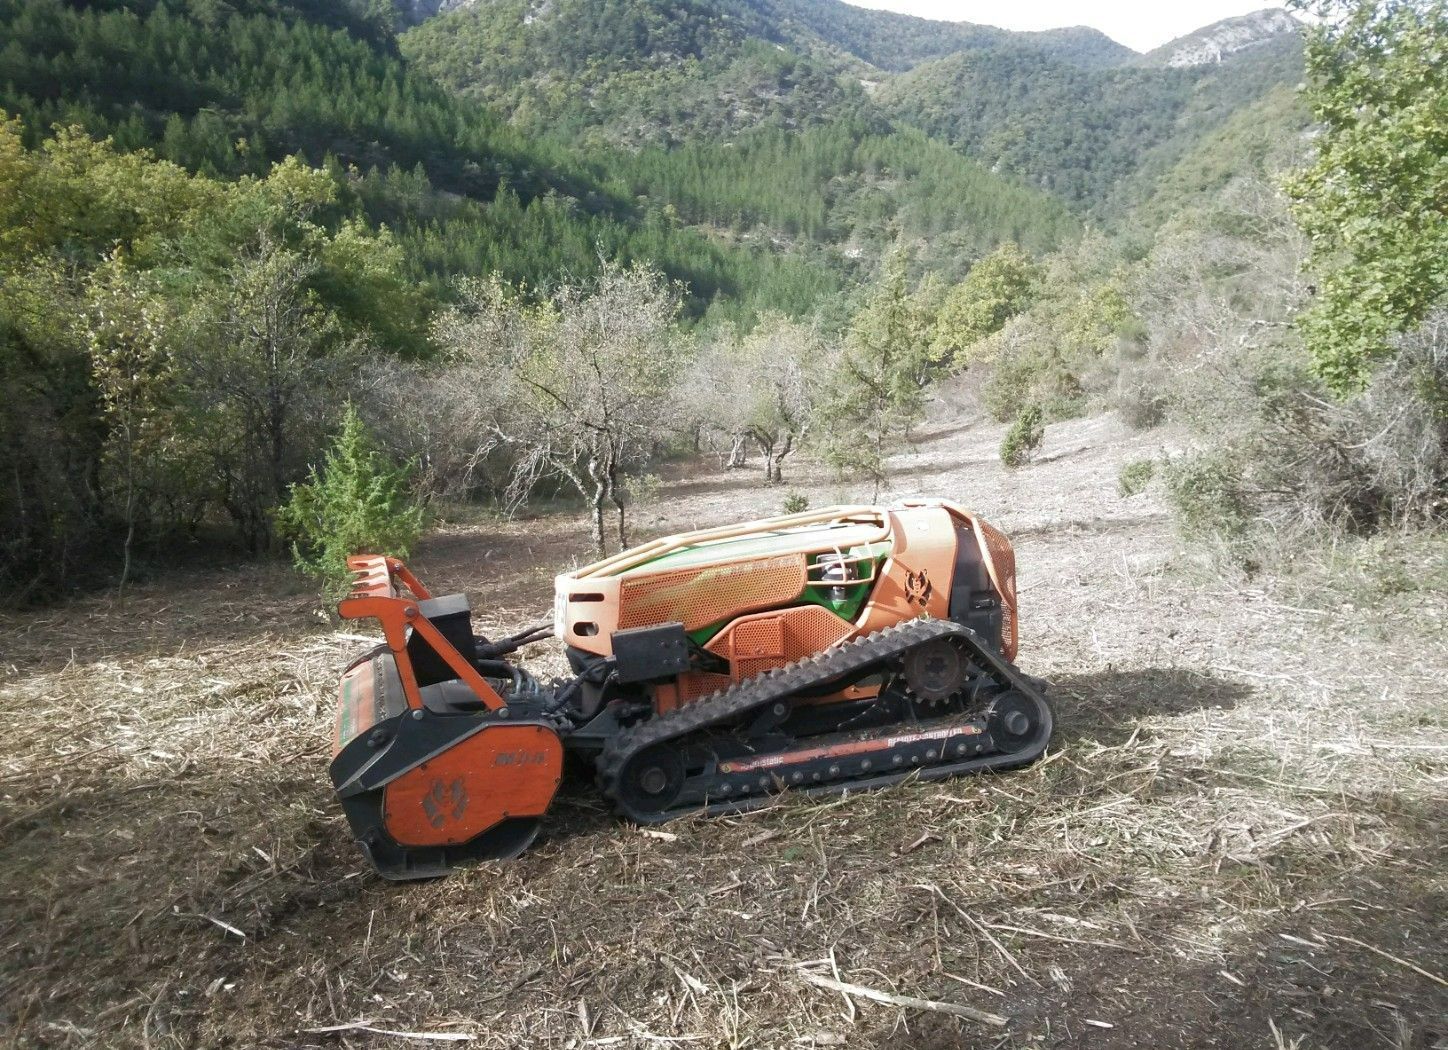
{"x": 1237, "y": 837}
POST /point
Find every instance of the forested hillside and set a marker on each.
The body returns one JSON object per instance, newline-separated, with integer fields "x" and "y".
{"x": 1075, "y": 132}
{"x": 1257, "y": 142}
{"x": 849, "y": 199}
{"x": 1069, "y": 111}
{"x": 752, "y": 117}
{"x": 262, "y": 157}
{"x": 851, "y": 190}
{"x": 229, "y": 89}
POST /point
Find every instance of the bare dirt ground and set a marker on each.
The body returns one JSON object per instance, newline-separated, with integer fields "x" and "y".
{"x": 1237, "y": 838}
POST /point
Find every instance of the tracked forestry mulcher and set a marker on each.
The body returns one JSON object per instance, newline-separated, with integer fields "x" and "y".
{"x": 830, "y": 651}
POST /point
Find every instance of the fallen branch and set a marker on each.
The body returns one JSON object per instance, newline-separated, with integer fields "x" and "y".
{"x": 366, "y": 1026}
{"x": 212, "y": 919}
{"x": 929, "y": 836}
{"x": 1007, "y": 956}
{"x": 975, "y": 984}
{"x": 968, "y": 1012}
{"x": 1389, "y": 956}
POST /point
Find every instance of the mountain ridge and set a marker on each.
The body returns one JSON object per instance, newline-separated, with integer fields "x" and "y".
{"x": 1066, "y": 111}
{"x": 746, "y": 146}
{"x": 855, "y": 30}
{"x": 1220, "y": 41}
{"x": 887, "y": 40}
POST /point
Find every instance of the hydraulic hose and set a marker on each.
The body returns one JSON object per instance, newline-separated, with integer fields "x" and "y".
{"x": 511, "y": 644}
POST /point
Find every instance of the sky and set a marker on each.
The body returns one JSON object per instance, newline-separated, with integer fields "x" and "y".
{"x": 1139, "y": 24}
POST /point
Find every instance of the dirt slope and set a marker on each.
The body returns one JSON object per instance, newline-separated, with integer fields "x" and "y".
{"x": 1237, "y": 840}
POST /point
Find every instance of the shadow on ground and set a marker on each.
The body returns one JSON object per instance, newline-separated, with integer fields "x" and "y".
{"x": 214, "y": 609}
{"x": 1078, "y": 527}
{"x": 932, "y": 435}
{"x": 1107, "y": 706}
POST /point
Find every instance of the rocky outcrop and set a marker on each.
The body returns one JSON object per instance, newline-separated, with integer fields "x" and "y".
{"x": 411, "y": 12}
{"x": 1218, "y": 42}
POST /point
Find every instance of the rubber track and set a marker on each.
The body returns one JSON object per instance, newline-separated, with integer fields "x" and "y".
{"x": 842, "y": 661}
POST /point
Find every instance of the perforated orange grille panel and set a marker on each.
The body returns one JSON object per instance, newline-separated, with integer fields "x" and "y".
{"x": 693, "y": 685}
{"x": 1000, "y": 562}
{"x": 765, "y": 641}
{"x": 700, "y": 596}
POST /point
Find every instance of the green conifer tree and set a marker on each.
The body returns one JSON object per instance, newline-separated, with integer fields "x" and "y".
{"x": 358, "y": 503}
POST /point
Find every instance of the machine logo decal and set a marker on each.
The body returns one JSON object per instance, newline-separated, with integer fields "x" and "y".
{"x": 442, "y": 803}
{"x": 521, "y": 758}
{"x": 918, "y": 588}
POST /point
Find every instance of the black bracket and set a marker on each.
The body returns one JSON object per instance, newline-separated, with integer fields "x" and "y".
{"x": 645, "y": 654}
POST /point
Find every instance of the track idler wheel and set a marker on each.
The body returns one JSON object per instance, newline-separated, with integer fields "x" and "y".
{"x": 649, "y": 784}
{"x": 1015, "y": 721}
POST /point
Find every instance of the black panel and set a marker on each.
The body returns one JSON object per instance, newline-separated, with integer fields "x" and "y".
{"x": 451, "y": 698}
{"x": 648, "y": 653}
{"x": 974, "y": 603}
{"x": 452, "y": 616}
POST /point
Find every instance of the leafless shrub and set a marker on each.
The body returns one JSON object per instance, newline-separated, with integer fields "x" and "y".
{"x": 1400, "y": 427}
{"x": 425, "y": 416}
{"x": 1278, "y": 454}
{"x": 1142, "y": 398}
{"x": 1295, "y": 459}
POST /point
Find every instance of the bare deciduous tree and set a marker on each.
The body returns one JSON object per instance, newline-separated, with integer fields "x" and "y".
{"x": 578, "y": 384}
{"x": 758, "y": 389}
{"x": 780, "y": 356}
{"x": 126, "y": 329}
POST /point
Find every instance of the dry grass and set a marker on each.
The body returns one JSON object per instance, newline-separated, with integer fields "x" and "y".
{"x": 1237, "y": 839}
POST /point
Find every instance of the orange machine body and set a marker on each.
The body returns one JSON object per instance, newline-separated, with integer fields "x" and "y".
{"x": 444, "y": 751}
{"x": 500, "y": 772}
{"x": 755, "y": 580}
{"x": 430, "y": 765}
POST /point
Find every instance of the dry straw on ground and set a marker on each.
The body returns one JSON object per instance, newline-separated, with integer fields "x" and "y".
{"x": 1237, "y": 838}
